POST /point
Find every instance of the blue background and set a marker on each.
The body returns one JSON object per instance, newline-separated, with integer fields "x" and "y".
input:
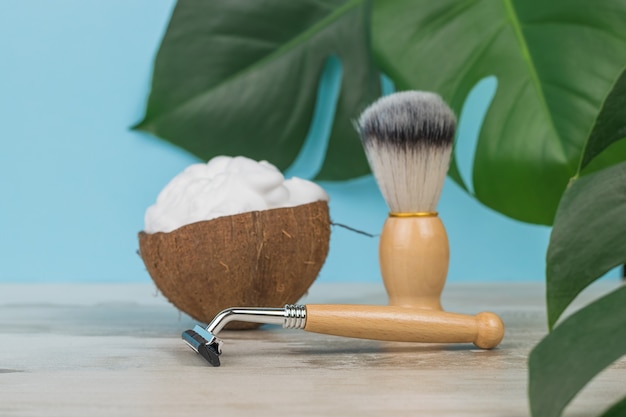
{"x": 75, "y": 74}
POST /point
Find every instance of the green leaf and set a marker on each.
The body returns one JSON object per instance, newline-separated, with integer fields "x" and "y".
{"x": 610, "y": 156}
{"x": 610, "y": 125}
{"x": 577, "y": 350}
{"x": 617, "y": 410}
{"x": 240, "y": 77}
{"x": 588, "y": 238}
{"x": 555, "y": 62}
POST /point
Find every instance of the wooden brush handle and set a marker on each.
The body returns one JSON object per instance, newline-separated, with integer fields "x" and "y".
{"x": 403, "y": 324}
{"x": 414, "y": 256}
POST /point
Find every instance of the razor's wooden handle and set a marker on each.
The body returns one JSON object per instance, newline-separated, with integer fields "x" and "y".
{"x": 414, "y": 256}
{"x": 404, "y": 324}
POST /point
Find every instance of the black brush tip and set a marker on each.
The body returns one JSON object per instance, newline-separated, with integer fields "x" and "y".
{"x": 408, "y": 118}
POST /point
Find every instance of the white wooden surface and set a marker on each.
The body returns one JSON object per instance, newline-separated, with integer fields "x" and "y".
{"x": 115, "y": 350}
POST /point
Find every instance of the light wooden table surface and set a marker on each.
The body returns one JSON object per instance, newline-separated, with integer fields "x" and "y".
{"x": 115, "y": 350}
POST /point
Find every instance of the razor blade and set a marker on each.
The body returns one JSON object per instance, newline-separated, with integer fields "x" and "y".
{"x": 205, "y": 343}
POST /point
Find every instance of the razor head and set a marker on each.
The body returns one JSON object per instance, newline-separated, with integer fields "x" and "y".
{"x": 205, "y": 343}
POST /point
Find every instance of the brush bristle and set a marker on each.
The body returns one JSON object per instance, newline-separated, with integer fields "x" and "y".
{"x": 408, "y": 139}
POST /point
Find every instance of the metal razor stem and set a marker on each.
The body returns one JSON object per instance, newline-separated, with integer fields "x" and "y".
{"x": 290, "y": 317}
{"x": 206, "y": 343}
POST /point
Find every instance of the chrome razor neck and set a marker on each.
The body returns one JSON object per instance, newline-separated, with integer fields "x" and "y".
{"x": 292, "y": 316}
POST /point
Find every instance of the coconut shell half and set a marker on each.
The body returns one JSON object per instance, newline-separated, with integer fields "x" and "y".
{"x": 257, "y": 259}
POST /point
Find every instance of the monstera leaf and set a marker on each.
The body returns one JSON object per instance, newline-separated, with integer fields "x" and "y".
{"x": 575, "y": 352}
{"x": 608, "y": 130}
{"x": 554, "y": 60}
{"x": 241, "y": 77}
{"x": 587, "y": 240}
{"x": 588, "y": 236}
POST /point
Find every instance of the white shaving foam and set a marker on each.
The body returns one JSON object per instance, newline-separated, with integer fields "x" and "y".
{"x": 225, "y": 186}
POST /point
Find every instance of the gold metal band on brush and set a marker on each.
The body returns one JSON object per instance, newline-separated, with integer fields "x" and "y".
{"x": 417, "y": 214}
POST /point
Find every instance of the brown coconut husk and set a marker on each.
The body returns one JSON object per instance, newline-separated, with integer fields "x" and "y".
{"x": 257, "y": 259}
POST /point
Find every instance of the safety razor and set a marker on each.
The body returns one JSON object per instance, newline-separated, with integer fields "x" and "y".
{"x": 391, "y": 323}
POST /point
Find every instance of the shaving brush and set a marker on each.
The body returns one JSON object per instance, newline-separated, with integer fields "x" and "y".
{"x": 408, "y": 138}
